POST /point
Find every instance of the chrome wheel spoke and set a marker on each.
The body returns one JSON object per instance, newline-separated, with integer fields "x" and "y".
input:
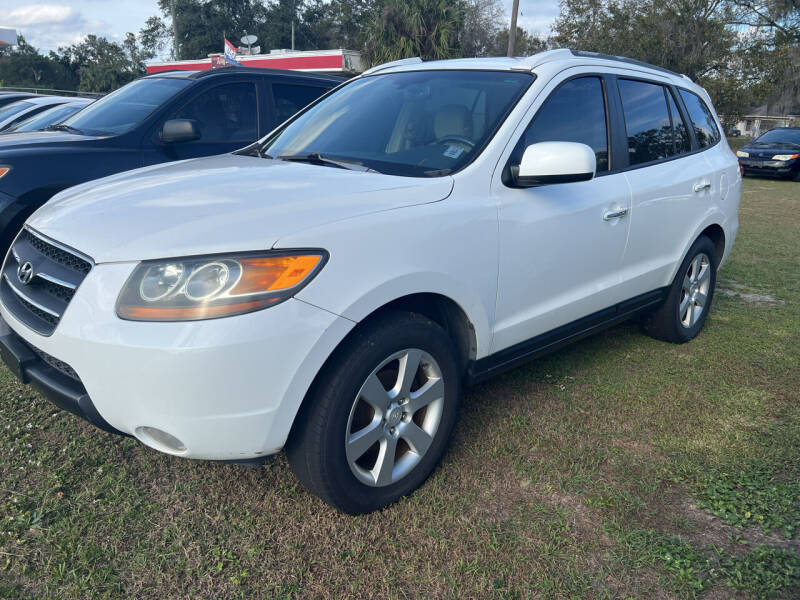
{"x": 695, "y": 268}
{"x": 363, "y": 439}
{"x": 416, "y": 437}
{"x": 431, "y": 391}
{"x": 374, "y": 394}
{"x": 384, "y": 466}
{"x": 700, "y": 298}
{"x": 409, "y": 365}
{"x": 683, "y": 306}
{"x": 705, "y": 273}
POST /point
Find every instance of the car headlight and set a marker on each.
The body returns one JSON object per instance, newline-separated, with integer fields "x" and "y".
{"x": 785, "y": 156}
{"x": 742, "y": 154}
{"x": 189, "y": 289}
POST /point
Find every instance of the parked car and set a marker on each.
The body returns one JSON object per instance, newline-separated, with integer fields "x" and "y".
{"x": 329, "y": 288}
{"x": 50, "y": 116}
{"x": 775, "y": 153}
{"x": 155, "y": 119}
{"x": 17, "y": 112}
{"x": 9, "y": 97}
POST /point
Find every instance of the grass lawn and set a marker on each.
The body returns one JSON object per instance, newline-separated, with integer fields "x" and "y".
{"x": 620, "y": 467}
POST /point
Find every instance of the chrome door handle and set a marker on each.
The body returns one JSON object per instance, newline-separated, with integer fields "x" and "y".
{"x": 699, "y": 187}
{"x": 615, "y": 214}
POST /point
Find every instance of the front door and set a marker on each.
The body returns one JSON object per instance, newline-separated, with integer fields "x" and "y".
{"x": 561, "y": 245}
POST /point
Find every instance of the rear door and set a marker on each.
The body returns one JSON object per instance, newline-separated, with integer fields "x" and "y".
{"x": 288, "y": 97}
{"x": 671, "y": 182}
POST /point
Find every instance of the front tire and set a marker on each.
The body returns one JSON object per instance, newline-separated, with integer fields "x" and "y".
{"x": 683, "y": 314}
{"x": 379, "y": 417}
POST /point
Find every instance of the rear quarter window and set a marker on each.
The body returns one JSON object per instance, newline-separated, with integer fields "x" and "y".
{"x": 705, "y": 128}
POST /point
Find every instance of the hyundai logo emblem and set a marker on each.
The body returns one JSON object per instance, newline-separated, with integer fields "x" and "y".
{"x": 25, "y": 272}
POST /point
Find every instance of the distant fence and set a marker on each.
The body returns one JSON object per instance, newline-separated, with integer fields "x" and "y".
{"x": 50, "y": 92}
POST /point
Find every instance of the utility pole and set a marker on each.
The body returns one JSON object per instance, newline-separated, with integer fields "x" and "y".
{"x": 174, "y": 30}
{"x": 294, "y": 14}
{"x": 512, "y": 32}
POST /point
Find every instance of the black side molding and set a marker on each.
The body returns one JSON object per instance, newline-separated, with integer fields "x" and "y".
{"x": 554, "y": 339}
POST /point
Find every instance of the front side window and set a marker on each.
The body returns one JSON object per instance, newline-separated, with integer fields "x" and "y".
{"x": 415, "y": 123}
{"x": 225, "y": 113}
{"x": 702, "y": 120}
{"x": 289, "y": 98}
{"x": 122, "y": 110}
{"x": 647, "y": 121}
{"x": 575, "y": 112}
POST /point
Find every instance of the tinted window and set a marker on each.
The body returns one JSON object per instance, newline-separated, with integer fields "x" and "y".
{"x": 575, "y": 112}
{"x": 48, "y": 117}
{"x": 122, "y": 110}
{"x": 226, "y": 113}
{"x": 681, "y": 133}
{"x": 415, "y": 123}
{"x": 646, "y": 120}
{"x": 704, "y": 126}
{"x": 12, "y": 109}
{"x": 291, "y": 98}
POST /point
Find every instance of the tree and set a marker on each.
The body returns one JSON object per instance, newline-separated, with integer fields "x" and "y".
{"x": 483, "y": 23}
{"x": 102, "y": 65}
{"x": 408, "y": 28}
{"x": 23, "y": 66}
{"x": 526, "y": 44}
{"x": 699, "y": 38}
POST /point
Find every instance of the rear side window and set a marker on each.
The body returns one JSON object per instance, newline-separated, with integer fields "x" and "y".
{"x": 575, "y": 112}
{"x": 647, "y": 121}
{"x": 682, "y": 141}
{"x": 291, "y": 98}
{"x": 702, "y": 120}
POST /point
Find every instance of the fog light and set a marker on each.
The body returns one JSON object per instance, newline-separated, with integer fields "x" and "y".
{"x": 161, "y": 438}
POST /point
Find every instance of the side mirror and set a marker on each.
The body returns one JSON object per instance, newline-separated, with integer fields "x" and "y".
{"x": 179, "y": 130}
{"x": 554, "y": 162}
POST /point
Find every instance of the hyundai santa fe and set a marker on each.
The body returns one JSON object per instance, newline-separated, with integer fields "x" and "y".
{"x": 329, "y": 289}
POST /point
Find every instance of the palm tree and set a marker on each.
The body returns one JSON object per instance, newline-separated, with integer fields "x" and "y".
{"x": 408, "y": 28}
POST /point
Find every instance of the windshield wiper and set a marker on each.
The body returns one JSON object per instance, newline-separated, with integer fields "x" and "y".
{"x": 62, "y": 127}
{"x": 315, "y": 158}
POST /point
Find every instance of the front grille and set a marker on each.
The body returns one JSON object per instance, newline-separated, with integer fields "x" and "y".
{"x": 39, "y": 279}
{"x": 58, "y": 365}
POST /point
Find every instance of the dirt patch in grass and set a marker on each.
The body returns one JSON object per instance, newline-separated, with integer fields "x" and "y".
{"x": 734, "y": 289}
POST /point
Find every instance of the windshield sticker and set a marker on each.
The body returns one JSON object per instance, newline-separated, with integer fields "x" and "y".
{"x": 453, "y": 151}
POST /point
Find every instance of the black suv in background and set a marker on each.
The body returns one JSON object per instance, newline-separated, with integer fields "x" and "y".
{"x": 158, "y": 118}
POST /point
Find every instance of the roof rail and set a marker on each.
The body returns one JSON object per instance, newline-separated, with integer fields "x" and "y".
{"x": 631, "y": 61}
{"x": 394, "y": 63}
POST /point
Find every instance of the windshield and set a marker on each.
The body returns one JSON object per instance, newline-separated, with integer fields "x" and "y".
{"x": 48, "y": 117}
{"x": 780, "y": 136}
{"x": 124, "y": 109}
{"x": 13, "y": 109}
{"x": 418, "y": 124}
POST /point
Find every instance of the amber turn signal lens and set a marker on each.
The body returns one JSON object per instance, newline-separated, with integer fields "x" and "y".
{"x": 190, "y": 313}
{"x": 4, "y": 170}
{"x": 273, "y": 273}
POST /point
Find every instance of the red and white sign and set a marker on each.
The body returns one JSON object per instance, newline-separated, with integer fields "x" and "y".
{"x": 320, "y": 61}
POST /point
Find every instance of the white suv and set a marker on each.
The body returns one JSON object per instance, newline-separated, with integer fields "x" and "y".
{"x": 330, "y": 288}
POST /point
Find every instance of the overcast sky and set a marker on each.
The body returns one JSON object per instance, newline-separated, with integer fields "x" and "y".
{"x": 53, "y": 23}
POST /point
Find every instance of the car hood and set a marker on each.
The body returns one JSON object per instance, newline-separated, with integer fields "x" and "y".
{"x": 10, "y": 141}
{"x": 225, "y": 203}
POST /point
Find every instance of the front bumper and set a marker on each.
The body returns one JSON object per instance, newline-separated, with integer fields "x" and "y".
{"x": 228, "y": 388}
{"x": 771, "y": 168}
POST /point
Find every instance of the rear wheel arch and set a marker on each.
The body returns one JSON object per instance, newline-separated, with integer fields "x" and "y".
{"x": 717, "y": 235}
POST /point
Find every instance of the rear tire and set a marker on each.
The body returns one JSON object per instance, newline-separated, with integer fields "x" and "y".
{"x": 380, "y": 415}
{"x": 683, "y": 314}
